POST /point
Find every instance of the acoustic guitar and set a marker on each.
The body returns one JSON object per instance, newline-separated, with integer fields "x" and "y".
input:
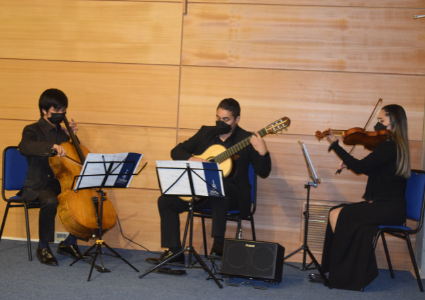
{"x": 219, "y": 154}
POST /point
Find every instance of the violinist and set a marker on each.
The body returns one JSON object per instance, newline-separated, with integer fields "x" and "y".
{"x": 348, "y": 253}
{"x": 41, "y": 140}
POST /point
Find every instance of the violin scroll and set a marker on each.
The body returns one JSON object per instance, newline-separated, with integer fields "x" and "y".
{"x": 322, "y": 134}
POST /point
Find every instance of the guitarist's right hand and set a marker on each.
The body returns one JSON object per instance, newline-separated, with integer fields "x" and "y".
{"x": 197, "y": 159}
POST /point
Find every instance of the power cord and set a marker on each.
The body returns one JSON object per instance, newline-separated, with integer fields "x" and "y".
{"x": 131, "y": 241}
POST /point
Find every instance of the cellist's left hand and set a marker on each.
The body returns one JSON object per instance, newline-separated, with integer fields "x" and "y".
{"x": 73, "y": 126}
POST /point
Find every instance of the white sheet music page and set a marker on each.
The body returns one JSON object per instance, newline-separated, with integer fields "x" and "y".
{"x": 174, "y": 183}
{"x": 124, "y": 165}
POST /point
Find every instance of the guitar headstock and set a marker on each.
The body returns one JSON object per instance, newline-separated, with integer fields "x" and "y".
{"x": 278, "y": 125}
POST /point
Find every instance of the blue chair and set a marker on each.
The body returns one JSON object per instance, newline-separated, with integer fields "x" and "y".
{"x": 415, "y": 204}
{"x": 234, "y": 215}
{"x": 15, "y": 168}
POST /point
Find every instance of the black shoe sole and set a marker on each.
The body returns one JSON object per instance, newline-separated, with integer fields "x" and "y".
{"x": 64, "y": 253}
{"x": 48, "y": 264}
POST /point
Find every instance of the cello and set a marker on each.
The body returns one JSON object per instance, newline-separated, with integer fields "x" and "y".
{"x": 77, "y": 210}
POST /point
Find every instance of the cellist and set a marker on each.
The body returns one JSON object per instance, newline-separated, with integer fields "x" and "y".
{"x": 41, "y": 140}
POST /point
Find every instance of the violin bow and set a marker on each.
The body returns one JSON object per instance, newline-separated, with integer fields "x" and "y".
{"x": 378, "y": 104}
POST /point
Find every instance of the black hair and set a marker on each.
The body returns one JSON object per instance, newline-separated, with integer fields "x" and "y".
{"x": 231, "y": 105}
{"x": 52, "y": 97}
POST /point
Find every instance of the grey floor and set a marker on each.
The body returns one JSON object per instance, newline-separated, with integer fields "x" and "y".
{"x": 24, "y": 279}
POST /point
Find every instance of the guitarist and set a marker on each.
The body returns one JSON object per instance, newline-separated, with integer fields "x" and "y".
{"x": 237, "y": 189}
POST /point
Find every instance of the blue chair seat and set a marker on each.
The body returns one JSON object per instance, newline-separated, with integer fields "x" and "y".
{"x": 206, "y": 210}
{"x": 396, "y": 227}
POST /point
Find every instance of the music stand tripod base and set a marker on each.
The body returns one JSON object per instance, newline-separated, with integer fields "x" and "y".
{"x": 99, "y": 216}
{"x": 188, "y": 170}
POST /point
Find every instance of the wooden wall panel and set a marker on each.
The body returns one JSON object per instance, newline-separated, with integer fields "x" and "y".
{"x": 302, "y": 37}
{"x": 98, "y": 93}
{"x": 144, "y": 0}
{"x": 312, "y": 100}
{"x": 344, "y": 3}
{"x": 102, "y": 31}
{"x": 154, "y": 143}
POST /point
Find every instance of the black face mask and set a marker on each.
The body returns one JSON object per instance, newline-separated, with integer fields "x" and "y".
{"x": 222, "y": 127}
{"x": 56, "y": 118}
{"x": 380, "y": 126}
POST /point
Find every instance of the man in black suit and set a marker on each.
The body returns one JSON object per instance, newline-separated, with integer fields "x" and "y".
{"x": 237, "y": 189}
{"x": 41, "y": 140}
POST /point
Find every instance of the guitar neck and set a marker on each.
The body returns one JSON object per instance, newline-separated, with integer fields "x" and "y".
{"x": 236, "y": 148}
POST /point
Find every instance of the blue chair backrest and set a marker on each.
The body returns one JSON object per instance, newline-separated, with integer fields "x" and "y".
{"x": 253, "y": 181}
{"x": 15, "y": 168}
{"x": 415, "y": 195}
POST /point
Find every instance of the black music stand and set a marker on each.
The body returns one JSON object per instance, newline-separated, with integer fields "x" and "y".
{"x": 304, "y": 246}
{"x": 189, "y": 171}
{"x": 99, "y": 242}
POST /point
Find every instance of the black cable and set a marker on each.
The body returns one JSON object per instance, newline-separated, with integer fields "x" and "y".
{"x": 119, "y": 224}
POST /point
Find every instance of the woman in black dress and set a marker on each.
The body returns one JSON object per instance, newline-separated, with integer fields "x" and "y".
{"x": 348, "y": 254}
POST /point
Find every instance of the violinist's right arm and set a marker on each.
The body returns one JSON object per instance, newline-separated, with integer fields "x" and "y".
{"x": 386, "y": 151}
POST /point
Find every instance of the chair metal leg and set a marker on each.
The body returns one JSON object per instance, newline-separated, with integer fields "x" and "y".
{"x": 387, "y": 254}
{"x": 375, "y": 242}
{"x": 239, "y": 229}
{"x": 415, "y": 266}
{"x": 253, "y": 228}
{"x": 4, "y": 219}
{"x": 28, "y": 232}
{"x": 185, "y": 231}
{"x": 205, "y": 237}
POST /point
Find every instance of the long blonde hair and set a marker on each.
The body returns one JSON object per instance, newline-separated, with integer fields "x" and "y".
{"x": 400, "y": 137}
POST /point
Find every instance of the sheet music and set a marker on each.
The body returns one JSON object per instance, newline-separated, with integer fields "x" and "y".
{"x": 94, "y": 165}
{"x": 310, "y": 167}
{"x": 168, "y": 176}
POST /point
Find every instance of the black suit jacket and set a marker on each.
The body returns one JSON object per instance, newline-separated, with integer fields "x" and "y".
{"x": 205, "y": 137}
{"x": 37, "y": 146}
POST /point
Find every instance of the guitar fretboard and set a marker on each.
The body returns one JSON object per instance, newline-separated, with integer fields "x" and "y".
{"x": 236, "y": 148}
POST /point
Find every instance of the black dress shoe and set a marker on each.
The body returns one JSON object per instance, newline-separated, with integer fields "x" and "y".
{"x": 167, "y": 254}
{"x": 46, "y": 257}
{"x": 72, "y": 251}
{"x": 217, "y": 249}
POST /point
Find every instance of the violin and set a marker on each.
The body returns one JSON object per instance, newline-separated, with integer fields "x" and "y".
{"x": 358, "y": 136}
{"x": 77, "y": 210}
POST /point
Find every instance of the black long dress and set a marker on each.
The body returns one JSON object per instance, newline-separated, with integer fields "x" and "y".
{"x": 348, "y": 254}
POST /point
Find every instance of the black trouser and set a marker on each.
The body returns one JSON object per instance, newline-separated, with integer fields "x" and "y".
{"x": 48, "y": 201}
{"x": 171, "y": 206}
